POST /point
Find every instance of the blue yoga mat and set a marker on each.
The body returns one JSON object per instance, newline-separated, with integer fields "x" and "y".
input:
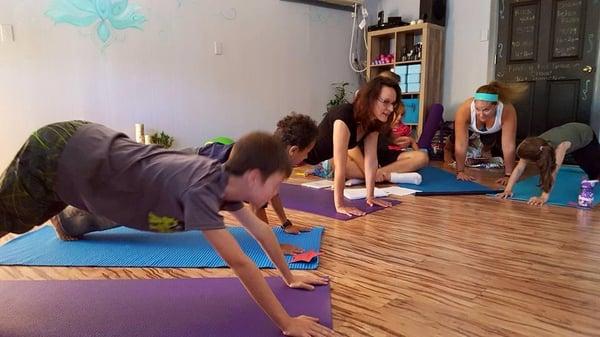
{"x": 439, "y": 182}
{"x": 564, "y": 192}
{"x": 125, "y": 247}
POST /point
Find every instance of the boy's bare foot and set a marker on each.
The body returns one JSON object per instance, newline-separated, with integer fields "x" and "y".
{"x": 60, "y": 232}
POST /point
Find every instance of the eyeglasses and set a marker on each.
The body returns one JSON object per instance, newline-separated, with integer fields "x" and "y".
{"x": 386, "y": 102}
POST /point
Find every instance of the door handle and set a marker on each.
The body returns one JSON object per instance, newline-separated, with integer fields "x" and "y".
{"x": 587, "y": 69}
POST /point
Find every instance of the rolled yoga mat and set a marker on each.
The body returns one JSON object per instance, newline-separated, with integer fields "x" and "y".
{"x": 439, "y": 182}
{"x": 320, "y": 201}
{"x": 564, "y": 192}
{"x": 142, "y": 308}
{"x": 125, "y": 247}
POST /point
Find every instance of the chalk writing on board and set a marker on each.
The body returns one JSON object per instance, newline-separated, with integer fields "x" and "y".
{"x": 567, "y": 28}
{"x": 524, "y": 31}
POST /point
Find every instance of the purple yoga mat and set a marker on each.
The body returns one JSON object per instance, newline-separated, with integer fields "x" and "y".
{"x": 320, "y": 201}
{"x": 148, "y": 308}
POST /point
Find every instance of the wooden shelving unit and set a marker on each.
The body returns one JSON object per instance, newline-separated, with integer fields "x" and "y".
{"x": 396, "y": 41}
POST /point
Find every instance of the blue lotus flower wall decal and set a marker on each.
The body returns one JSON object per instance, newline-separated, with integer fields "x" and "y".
{"x": 105, "y": 14}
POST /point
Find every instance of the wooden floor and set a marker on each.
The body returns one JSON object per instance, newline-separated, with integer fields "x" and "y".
{"x": 441, "y": 266}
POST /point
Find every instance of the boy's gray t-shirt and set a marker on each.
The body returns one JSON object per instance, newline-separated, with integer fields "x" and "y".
{"x": 106, "y": 173}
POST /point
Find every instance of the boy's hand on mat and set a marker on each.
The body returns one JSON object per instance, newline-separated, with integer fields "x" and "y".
{"x": 463, "y": 176}
{"x": 502, "y": 181}
{"x": 306, "y": 326}
{"x": 288, "y": 249}
{"x": 379, "y": 202}
{"x": 295, "y": 229}
{"x": 537, "y": 201}
{"x": 349, "y": 211}
{"x": 308, "y": 282}
{"x": 504, "y": 195}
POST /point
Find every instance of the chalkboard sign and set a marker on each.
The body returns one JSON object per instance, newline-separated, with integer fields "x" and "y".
{"x": 567, "y": 38}
{"x": 524, "y": 32}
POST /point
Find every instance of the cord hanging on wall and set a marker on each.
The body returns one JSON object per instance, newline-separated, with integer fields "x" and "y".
{"x": 361, "y": 26}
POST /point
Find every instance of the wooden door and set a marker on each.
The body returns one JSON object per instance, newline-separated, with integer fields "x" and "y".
{"x": 551, "y": 46}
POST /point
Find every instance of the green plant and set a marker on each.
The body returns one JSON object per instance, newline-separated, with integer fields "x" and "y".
{"x": 339, "y": 96}
{"x": 162, "y": 139}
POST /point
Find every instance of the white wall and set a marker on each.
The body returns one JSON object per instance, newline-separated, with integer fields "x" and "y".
{"x": 466, "y": 59}
{"x": 407, "y": 9}
{"x": 277, "y": 57}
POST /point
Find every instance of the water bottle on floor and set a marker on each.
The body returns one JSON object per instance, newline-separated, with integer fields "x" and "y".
{"x": 586, "y": 194}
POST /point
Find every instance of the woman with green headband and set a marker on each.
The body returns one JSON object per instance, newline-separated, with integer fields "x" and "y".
{"x": 490, "y": 114}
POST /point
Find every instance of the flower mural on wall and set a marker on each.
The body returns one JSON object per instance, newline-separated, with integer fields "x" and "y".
{"x": 106, "y": 15}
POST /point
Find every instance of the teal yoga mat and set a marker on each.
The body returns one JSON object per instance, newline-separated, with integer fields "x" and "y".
{"x": 564, "y": 192}
{"x": 439, "y": 182}
{"x": 125, "y": 247}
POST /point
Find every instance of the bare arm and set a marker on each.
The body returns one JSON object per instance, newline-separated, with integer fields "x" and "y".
{"x": 560, "y": 152}
{"x": 461, "y": 135}
{"x": 278, "y": 207}
{"x": 264, "y": 235}
{"x": 509, "y": 136}
{"x": 514, "y": 177}
{"x": 370, "y": 162}
{"x": 356, "y": 156}
{"x": 341, "y": 135}
{"x": 228, "y": 248}
{"x": 413, "y": 144}
{"x": 249, "y": 275}
{"x": 371, "y": 169}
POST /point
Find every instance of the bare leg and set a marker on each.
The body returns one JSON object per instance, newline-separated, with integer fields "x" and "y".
{"x": 407, "y": 162}
{"x": 355, "y": 164}
{"x": 353, "y": 170}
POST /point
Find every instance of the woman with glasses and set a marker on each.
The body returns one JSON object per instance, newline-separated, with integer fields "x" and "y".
{"x": 344, "y": 126}
{"x": 393, "y": 154}
{"x": 491, "y": 115}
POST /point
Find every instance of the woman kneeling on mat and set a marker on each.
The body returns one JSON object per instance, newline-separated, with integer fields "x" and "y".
{"x": 548, "y": 151}
{"x": 491, "y": 115}
{"x": 346, "y": 125}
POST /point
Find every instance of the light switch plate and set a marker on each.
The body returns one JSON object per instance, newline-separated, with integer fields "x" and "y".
{"x": 6, "y": 33}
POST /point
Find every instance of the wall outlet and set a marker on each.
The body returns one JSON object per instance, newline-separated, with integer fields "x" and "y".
{"x": 6, "y": 33}
{"x": 484, "y": 35}
{"x": 218, "y": 47}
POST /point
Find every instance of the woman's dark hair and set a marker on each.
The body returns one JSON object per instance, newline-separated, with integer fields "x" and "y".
{"x": 368, "y": 95}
